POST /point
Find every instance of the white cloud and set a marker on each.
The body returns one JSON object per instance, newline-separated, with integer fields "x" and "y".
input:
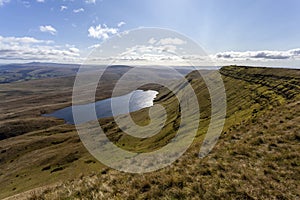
{"x": 142, "y": 49}
{"x": 295, "y": 52}
{"x": 162, "y": 49}
{"x": 152, "y": 41}
{"x": 40, "y": 1}
{"x": 90, "y": 1}
{"x": 74, "y": 50}
{"x": 2, "y": 2}
{"x": 259, "y": 55}
{"x": 149, "y": 53}
{"x": 62, "y": 8}
{"x": 155, "y": 51}
{"x": 172, "y": 41}
{"x": 48, "y": 29}
{"x": 94, "y": 46}
{"x": 121, "y": 24}
{"x": 78, "y": 10}
{"x": 166, "y": 41}
{"x": 101, "y": 31}
{"x": 24, "y": 40}
{"x": 28, "y": 48}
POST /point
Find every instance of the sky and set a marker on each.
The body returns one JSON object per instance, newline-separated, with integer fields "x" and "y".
{"x": 249, "y": 32}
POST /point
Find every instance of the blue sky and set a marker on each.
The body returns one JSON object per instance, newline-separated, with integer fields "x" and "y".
{"x": 262, "y": 32}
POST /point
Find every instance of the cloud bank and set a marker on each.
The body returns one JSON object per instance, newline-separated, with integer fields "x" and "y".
{"x": 31, "y": 49}
{"x": 259, "y": 55}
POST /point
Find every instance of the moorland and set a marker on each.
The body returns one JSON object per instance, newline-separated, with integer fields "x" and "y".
{"x": 256, "y": 156}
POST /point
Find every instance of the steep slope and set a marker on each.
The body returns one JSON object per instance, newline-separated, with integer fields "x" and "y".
{"x": 254, "y": 160}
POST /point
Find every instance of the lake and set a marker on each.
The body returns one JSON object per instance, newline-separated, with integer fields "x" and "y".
{"x": 137, "y": 99}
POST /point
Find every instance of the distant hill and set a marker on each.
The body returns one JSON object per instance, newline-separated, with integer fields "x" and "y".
{"x": 29, "y": 71}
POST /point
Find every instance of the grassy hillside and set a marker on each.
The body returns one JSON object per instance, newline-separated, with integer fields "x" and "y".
{"x": 259, "y": 145}
{"x": 254, "y": 160}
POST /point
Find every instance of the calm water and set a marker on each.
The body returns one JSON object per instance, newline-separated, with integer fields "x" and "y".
{"x": 138, "y": 99}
